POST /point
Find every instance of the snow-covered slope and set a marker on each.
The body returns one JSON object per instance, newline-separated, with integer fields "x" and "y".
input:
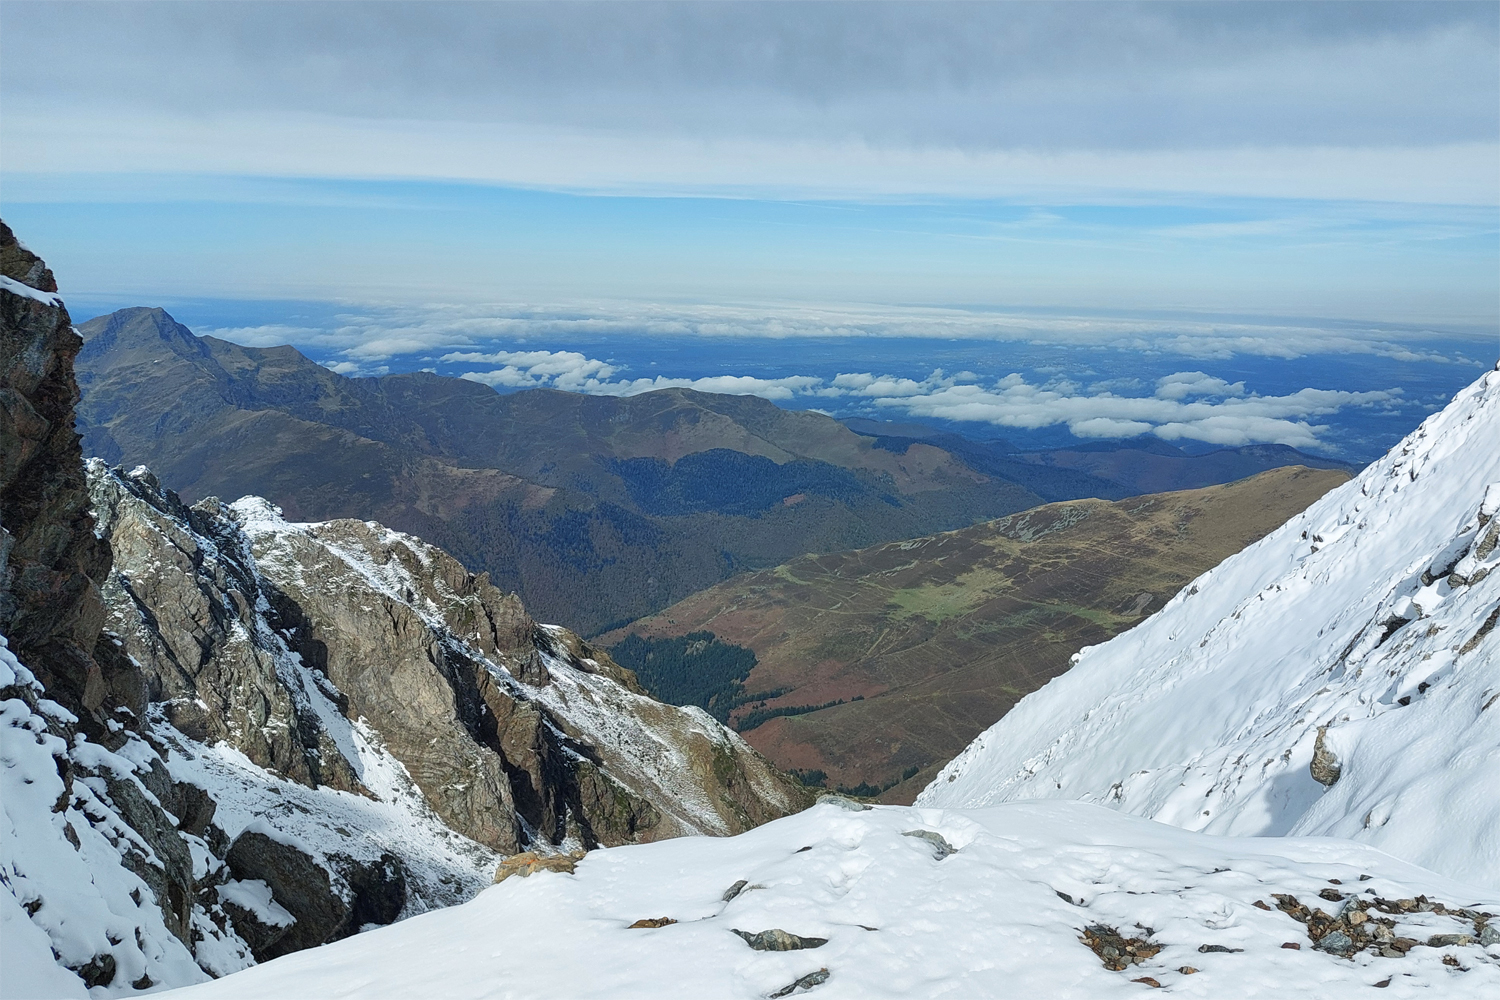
{"x": 917, "y": 903}
{"x": 1341, "y": 677}
{"x": 73, "y": 904}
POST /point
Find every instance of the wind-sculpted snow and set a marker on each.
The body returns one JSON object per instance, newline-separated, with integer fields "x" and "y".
{"x": 1340, "y": 677}
{"x": 909, "y": 902}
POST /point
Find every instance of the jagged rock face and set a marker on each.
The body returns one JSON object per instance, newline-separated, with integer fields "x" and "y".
{"x": 515, "y": 733}
{"x": 413, "y": 681}
{"x": 493, "y": 715}
{"x": 185, "y": 597}
{"x": 50, "y": 560}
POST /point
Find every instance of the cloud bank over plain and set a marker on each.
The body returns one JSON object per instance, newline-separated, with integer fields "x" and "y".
{"x": 1189, "y": 405}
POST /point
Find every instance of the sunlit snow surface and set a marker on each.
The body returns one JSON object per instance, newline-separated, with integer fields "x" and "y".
{"x": 986, "y": 921}
{"x": 1206, "y": 715}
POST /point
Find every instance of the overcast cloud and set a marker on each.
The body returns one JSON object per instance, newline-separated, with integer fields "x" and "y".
{"x": 1384, "y": 100}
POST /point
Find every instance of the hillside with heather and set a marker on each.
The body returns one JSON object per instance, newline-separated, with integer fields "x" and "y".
{"x": 872, "y": 667}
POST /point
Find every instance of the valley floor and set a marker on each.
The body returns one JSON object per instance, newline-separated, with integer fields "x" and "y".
{"x": 927, "y": 903}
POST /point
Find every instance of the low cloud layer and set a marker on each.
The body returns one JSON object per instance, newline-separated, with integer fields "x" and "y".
{"x": 1185, "y": 406}
{"x": 369, "y": 337}
{"x": 572, "y": 372}
{"x": 1188, "y": 405}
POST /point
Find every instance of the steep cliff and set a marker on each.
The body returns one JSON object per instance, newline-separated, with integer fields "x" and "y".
{"x": 51, "y": 562}
{"x": 98, "y": 877}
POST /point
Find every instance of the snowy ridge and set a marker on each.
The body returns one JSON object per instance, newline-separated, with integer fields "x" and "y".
{"x": 1358, "y": 641}
{"x": 910, "y": 902}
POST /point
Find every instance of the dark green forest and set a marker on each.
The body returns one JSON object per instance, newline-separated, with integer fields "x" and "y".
{"x": 693, "y": 669}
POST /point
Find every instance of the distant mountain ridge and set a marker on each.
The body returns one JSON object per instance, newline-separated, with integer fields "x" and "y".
{"x": 596, "y": 510}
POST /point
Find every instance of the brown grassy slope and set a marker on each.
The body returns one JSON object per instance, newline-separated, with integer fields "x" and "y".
{"x": 942, "y": 635}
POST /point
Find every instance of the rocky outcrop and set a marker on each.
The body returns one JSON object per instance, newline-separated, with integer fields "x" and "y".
{"x": 186, "y": 599}
{"x": 1324, "y": 767}
{"x": 321, "y": 908}
{"x": 276, "y": 637}
{"x": 51, "y": 562}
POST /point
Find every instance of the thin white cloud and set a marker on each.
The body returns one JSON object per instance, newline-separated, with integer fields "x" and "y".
{"x": 571, "y": 371}
{"x": 469, "y": 332}
{"x": 567, "y": 370}
{"x": 604, "y": 162}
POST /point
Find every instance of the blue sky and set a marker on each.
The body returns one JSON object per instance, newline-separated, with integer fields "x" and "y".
{"x": 1195, "y": 185}
{"x": 410, "y": 240}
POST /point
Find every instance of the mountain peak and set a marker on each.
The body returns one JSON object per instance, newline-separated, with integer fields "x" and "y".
{"x": 18, "y": 263}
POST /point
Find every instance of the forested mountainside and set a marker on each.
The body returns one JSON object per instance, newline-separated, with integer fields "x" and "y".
{"x": 596, "y": 510}
{"x": 872, "y": 668}
{"x": 228, "y": 737}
